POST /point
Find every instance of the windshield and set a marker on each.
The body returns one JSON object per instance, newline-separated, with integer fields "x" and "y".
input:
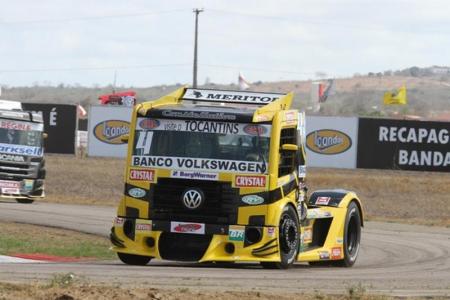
{"x": 201, "y": 145}
{"x": 20, "y": 133}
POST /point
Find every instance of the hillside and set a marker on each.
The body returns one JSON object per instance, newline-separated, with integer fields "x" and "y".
{"x": 428, "y": 93}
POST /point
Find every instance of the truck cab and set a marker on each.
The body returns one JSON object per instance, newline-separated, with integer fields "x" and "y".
{"x": 214, "y": 175}
{"x": 22, "y": 163}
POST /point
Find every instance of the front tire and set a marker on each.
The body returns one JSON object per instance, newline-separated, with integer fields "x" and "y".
{"x": 288, "y": 239}
{"x": 132, "y": 259}
{"x": 352, "y": 236}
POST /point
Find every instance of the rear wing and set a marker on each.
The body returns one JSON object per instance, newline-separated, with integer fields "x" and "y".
{"x": 266, "y": 104}
{"x": 10, "y": 105}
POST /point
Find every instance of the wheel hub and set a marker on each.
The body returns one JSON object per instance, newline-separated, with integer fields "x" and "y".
{"x": 289, "y": 235}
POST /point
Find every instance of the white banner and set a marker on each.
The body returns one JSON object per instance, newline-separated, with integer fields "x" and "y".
{"x": 107, "y": 124}
{"x": 230, "y": 96}
{"x": 331, "y": 142}
{"x": 198, "y": 164}
{"x": 203, "y": 126}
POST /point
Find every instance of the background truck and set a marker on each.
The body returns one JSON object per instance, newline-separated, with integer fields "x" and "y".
{"x": 22, "y": 161}
{"x": 215, "y": 175}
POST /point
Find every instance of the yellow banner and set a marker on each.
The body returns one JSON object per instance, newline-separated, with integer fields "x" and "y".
{"x": 397, "y": 97}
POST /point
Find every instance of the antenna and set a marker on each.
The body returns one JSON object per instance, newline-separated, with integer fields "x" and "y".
{"x": 196, "y": 11}
{"x": 114, "y": 83}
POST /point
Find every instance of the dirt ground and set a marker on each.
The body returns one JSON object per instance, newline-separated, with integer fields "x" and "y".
{"x": 61, "y": 291}
{"x": 388, "y": 195}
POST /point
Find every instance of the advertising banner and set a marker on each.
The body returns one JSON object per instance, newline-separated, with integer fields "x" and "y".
{"x": 60, "y": 123}
{"x": 331, "y": 142}
{"x": 107, "y": 125}
{"x": 404, "y": 145}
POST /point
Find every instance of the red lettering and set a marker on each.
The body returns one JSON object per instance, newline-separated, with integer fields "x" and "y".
{"x": 147, "y": 175}
{"x": 250, "y": 181}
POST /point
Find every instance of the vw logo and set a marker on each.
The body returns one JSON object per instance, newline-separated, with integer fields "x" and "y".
{"x": 192, "y": 198}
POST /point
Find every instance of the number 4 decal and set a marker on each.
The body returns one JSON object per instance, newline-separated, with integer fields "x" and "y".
{"x": 144, "y": 141}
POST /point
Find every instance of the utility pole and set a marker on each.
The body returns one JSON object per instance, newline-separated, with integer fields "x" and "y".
{"x": 196, "y": 11}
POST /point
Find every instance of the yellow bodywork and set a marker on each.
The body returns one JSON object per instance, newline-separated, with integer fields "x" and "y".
{"x": 281, "y": 116}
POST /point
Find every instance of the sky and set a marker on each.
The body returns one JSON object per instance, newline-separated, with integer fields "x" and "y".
{"x": 145, "y": 43}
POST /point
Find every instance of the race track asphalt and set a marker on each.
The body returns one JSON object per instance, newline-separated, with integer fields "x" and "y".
{"x": 395, "y": 259}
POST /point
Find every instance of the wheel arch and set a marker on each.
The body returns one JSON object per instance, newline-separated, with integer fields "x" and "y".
{"x": 337, "y": 198}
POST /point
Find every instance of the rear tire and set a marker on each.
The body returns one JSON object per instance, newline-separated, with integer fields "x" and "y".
{"x": 25, "y": 201}
{"x": 352, "y": 236}
{"x": 135, "y": 260}
{"x": 288, "y": 239}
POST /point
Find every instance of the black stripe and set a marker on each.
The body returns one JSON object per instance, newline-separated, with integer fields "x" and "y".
{"x": 266, "y": 254}
{"x": 265, "y": 245}
{"x": 265, "y": 249}
{"x": 275, "y": 195}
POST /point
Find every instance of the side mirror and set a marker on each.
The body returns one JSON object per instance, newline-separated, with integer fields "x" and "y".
{"x": 45, "y": 135}
{"x": 124, "y": 138}
{"x": 289, "y": 147}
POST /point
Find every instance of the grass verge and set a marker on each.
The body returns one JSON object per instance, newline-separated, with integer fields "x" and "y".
{"x": 30, "y": 239}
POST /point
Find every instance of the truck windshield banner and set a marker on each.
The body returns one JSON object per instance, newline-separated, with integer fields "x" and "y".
{"x": 198, "y": 164}
{"x": 17, "y": 125}
{"x": 19, "y": 149}
{"x": 203, "y": 126}
{"x": 230, "y": 96}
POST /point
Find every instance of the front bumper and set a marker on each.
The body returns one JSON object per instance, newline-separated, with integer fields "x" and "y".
{"x": 22, "y": 189}
{"x": 183, "y": 241}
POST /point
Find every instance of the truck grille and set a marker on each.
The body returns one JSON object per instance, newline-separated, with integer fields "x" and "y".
{"x": 14, "y": 170}
{"x": 220, "y": 205}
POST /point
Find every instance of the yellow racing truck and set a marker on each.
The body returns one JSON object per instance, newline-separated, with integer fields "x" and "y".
{"x": 219, "y": 176}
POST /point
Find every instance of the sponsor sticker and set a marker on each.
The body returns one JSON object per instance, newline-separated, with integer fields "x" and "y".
{"x": 230, "y": 96}
{"x": 336, "y": 253}
{"x": 19, "y": 149}
{"x": 9, "y": 184}
{"x": 204, "y": 115}
{"x": 15, "y": 125}
{"x": 252, "y": 199}
{"x": 28, "y": 184}
{"x": 328, "y": 141}
{"x": 9, "y": 157}
{"x": 111, "y": 131}
{"x": 324, "y": 255}
{"x": 323, "y": 200}
{"x": 142, "y": 175}
{"x": 136, "y": 192}
{"x": 291, "y": 118}
{"x": 236, "y": 233}
{"x": 118, "y": 221}
{"x": 339, "y": 241}
{"x": 271, "y": 232}
{"x": 10, "y": 191}
{"x": 302, "y": 171}
{"x": 253, "y": 129}
{"x": 198, "y": 164}
{"x": 317, "y": 213}
{"x": 149, "y": 123}
{"x": 249, "y": 181}
{"x": 195, "y": 175}
{"x": 143, "y": 225}
{"x": 307, "y": 235}
{"x": 191, "y": 228}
